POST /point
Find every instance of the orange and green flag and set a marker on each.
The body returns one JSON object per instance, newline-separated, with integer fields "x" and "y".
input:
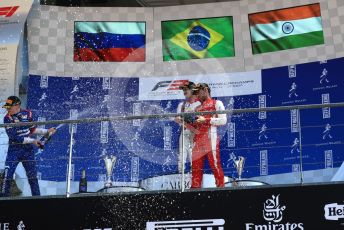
{"x": 286, "y": 29}
{"x": 198, "y": 38}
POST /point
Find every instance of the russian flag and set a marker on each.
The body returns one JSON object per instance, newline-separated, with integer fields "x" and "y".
{"x": 109, "y": 41}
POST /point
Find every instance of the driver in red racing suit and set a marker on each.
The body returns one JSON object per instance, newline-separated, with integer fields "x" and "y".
{"x": 206, "y": 141}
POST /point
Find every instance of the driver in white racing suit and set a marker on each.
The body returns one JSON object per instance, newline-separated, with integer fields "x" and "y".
{"x": 189, "y": 105}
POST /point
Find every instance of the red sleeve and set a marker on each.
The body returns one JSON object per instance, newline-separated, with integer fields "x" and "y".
{"x": 29, "y": 116}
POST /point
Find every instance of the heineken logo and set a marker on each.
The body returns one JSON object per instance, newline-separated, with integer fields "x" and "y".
{"x": 334, "y": 211}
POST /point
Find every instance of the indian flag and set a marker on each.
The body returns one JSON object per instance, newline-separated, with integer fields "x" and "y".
{"x": 286, "y": 29}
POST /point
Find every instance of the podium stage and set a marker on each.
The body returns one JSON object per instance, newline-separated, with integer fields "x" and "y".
{"x": 266, "y": 207}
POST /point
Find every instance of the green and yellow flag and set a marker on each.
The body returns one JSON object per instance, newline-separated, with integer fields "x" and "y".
{"x": 198, "y": 38}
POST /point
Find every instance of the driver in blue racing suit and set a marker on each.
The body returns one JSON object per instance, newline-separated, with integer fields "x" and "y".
{"x": 21, "y": 147}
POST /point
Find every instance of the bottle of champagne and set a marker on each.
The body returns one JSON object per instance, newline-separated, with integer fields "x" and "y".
{"x": 83, "y": 182}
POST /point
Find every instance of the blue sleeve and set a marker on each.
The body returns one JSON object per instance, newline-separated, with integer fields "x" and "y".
{"x": 12, "y": 132}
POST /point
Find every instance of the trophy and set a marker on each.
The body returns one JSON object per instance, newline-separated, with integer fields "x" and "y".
{"x": 109, "y": 165}
{"x": 238, "y": 163}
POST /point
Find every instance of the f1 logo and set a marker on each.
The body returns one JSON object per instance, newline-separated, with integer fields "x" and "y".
{"x": 8, "y": 11}
{"x": 170, "y": 85}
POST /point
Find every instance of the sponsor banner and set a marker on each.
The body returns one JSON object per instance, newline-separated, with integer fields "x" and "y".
{"x": 294, "y": 120}
{"x": 8, "y": 56}
{"x": 167, "y": 138}
{"x": 106, "y": 83}
{"x": 231, "y": 135}
{"x": 104, "y": 132}
{"x": 328, "y": 159}
{"x": 262, "y": 104}
{"x": 222, "y": 85}
{"x": 264, "y": 162}
{"x": 73, "y": 116}
{"x": 135, "y": 169}
{"x": 292, "y": 71}
{"x": 274, "y": 208}
{"x": 273, "y": 215}
{"x": 326, "y": 100}
{"x": 334, "y": 211}
{"x": 187, "y": 224}
{"x": 137, "y": 107}
{"x": 13, "y": 15}
{"x": 270, "y": 142}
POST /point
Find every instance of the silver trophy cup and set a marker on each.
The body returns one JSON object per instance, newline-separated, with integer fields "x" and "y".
{"x": 109, "y": 165}
{"x": 239, "y": 165}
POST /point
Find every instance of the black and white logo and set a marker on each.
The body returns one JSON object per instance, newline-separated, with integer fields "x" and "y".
{"x": 262, "y": 132}
{"x": 334, "y": 211}
{"x": 264, "y": 163}
{"x": 97, "y": 229}
{"x": 42, "y": 100}
{"x": 292, "y": 90}
{"x": 106, "y": 83}
{"x": 292, "y": 71}
{"x": 295, "y": 148}
{"x": 273, "y": 211}
{"x": 104, "y": 132}
{"x": 325, "y": 99}
{"x": 137, "y": 110}
{"x": 327, "y": 132}
{"x": 21, "y": 225}
{"x": 324, "y": 77}
{"x": 231, "y": 134}
{"x": 167, "y": 137}
{"x": 262, "y": 104}
{"x": 273, "y": 214}
{"x": 74, "y": 93}
{"x": 210, "y": 224}
{"x": 328, "y": 158}
{"x": 294, "y": 121}
{"x": 44, "y": 83}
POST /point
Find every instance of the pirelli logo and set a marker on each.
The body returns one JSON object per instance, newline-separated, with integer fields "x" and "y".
{"x": 8, "y": 11}
{"x": 211, "y": 224}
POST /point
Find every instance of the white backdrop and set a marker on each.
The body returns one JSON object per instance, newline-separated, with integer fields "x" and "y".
{"x": 11, "y": 28}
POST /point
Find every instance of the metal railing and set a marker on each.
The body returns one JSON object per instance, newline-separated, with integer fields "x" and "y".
{"x": 172, "y": 115}
{"x": 169, "y": 115}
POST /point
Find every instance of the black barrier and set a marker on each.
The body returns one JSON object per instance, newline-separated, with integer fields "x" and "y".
{"x": 277, "y": 208}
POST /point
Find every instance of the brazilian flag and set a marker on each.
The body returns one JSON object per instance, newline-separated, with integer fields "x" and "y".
{"x": 198, "y": 38}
